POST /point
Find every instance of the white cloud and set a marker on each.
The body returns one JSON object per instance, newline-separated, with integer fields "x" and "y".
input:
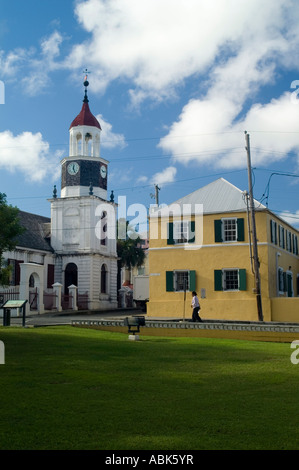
{"x": 33, "y": 65}
{"x": 39, "y": 68}
{"x": 142, "y": 179}
{"x": 232, "y": 48}
{"x": 165, "y": 176}
{"x": 291, "y": 218}
{"x": 208, "y": 132}
{"x": 13, "y": 61}
{"x": 158, "y": 44}
{"x": 28, "y": 154}
{"x": 110, "y": 139}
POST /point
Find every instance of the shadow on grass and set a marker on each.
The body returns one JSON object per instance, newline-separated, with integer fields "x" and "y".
{"x": 73, "y": 388}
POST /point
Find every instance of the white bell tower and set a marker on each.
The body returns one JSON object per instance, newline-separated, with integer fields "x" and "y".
{"x": 81, "y": 218}
{"x": 84, "y": 168}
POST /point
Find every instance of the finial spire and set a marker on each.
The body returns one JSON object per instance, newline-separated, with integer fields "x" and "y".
{"x": 86, "y": 83}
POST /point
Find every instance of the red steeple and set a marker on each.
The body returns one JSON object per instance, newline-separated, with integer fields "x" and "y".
{"x": 85, "y": 117}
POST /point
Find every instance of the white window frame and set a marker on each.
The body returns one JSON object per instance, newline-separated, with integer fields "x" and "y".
{"x": 181, "y": 230}
{"x": 224, "y": 272}
{"x": 175, "y": 280}
{"x": 225, "y": 221}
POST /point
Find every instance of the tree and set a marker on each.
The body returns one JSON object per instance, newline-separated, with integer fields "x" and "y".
{"x": 130, "y": 253}
{"x": 128, "y": 249}
{"x": 10, "y": 229}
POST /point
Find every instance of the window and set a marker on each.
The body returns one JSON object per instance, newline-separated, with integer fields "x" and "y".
{"x": 281, "y": 281}
{"x": 281, "y": 237}
{"x": 229, "y": 227}
{"x": 295, "y": 244}
{"x": 103, "y": 279}
{"x": 16, "y": 272}
{"x": 181, "y": 232}
{"x": 181, "y": 281}
{"x": 229, "y": 230}
{"x": 104, "y": 229}
{"x": 178, "y": 281}
{"x": 230, "y": 279}
{"x": 273, "y": 229}
{"x": 289, "y": 240}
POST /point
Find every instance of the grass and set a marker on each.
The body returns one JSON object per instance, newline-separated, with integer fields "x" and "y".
{"x": 72, "y": 388}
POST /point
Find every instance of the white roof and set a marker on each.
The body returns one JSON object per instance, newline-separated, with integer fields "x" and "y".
{"x": 218, "y": 196}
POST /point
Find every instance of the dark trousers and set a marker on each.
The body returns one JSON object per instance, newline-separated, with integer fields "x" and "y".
{"x": 195, "y": 316}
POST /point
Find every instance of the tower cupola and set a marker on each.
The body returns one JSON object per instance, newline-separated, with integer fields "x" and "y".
{"x": 84, "y": 168}
{"x": 85, "y": 131}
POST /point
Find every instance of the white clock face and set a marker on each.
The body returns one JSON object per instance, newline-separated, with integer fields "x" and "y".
{"x": 73, "y": 168}
{"x": 103, "y": 171}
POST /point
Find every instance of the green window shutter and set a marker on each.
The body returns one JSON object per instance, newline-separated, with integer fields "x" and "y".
{"x": 240, "y": 225}
{"x": 169, "y": 281}
{"x": 272, "y": 231}
{"x": 218, "y": 230}
{"x": 192, "y": 280}
{"x": 192, "y": 232}
{"x": 275, "y": 233}
{"x": 170, "y": 240}
{"x": 218, "y": 279}
{"x": 242, "y": 279}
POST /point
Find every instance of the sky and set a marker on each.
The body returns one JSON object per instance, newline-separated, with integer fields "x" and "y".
{"x": 174, "y": 84}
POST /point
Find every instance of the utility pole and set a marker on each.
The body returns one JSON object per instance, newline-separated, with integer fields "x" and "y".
{"x": 156, "y": 195}
{"x": 157, "y": 189}
{"x": 253, "y": 232}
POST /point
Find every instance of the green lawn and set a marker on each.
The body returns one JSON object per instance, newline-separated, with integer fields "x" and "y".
{"x": 72, "y": 388}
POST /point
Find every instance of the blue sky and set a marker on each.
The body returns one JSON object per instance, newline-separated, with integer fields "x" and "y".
{"x": 174, "y": 84}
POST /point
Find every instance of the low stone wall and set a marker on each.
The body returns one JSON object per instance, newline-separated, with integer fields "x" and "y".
{"x": 252, "y": 331}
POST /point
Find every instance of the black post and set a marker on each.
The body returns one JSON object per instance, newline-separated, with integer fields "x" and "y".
{"x": 24, "y": 314}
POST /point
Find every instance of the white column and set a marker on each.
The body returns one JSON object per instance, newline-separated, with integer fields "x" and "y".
{"x": 57, "y": 290}
{"x": 73, "y": 293}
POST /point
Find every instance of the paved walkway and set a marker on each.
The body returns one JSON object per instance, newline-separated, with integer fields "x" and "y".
{"x": 67, "y": 317}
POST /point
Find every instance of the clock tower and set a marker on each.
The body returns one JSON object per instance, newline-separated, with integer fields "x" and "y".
{"x": 84, "y": 168}
{"x": 82, "y": 218}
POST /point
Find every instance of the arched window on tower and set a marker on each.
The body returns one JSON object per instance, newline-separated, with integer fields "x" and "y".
{"x": 96, "y": 148}
{"x": 79, "y": 144}
{"x": 88, "y": 144}
{"x": 104, "y": 279}
{"x": 104, "y": 228}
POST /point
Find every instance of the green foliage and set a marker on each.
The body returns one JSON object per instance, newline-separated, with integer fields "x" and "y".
{"x": 10, "y": 229}
{"x": 129, "y": 250}
{"x": 130, "y": 253}
{"x": 84, "y": 389}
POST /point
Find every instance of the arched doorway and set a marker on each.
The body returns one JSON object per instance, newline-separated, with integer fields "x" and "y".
{"x": 70, "y": 276}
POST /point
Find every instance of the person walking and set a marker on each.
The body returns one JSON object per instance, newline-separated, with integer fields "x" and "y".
{"x": 196, "y": 307}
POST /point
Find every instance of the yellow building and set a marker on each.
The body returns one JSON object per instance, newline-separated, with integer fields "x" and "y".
{"x": 201, "y": 242}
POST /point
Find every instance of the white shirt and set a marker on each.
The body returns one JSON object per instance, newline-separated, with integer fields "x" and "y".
{"x": 195, "y": 302}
